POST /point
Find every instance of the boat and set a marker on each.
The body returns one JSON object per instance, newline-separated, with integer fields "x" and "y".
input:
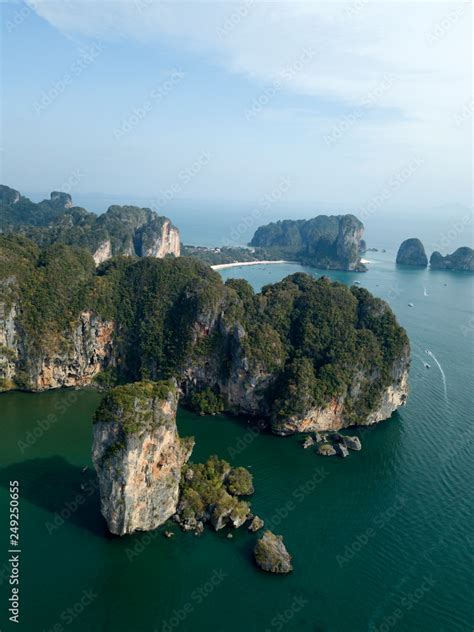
{"x": 427, "y": 366}
{"x": 411, "y": 305}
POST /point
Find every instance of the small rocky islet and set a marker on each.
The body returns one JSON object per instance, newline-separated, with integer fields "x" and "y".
{"x": 412, "y": 253}
{"x": 332, "y": 443}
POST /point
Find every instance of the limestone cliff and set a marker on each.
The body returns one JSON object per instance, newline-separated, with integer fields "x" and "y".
{"x": 328, "y": 242}
{"x": 138, "y": 455}
{"x": 121, "y": 230}
{"x": 158, "y": 239}
{"x": 74, "y": 362}
{"x": 8, "y": 195}
{"x": 8, "y": 345}
{"x": 461, "y": 259}
{"x": 412, "y": 253}
{"x": 103, "y": 252}
{"x": 302, "y": 354}
{"x": 339, "y": 412}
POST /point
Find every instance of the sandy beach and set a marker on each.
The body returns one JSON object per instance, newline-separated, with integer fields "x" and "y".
{"x": 222, "y": 266}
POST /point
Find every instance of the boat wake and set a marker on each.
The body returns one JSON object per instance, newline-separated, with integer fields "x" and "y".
{"x": 425, "y": 292}
{"x": 445, "y": 386}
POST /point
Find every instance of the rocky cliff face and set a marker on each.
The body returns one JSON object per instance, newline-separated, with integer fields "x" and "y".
{"x": 8, "y": 345}
{"x": 88, "y": 352}
{"x": 60, "y": 200}
{"x": 158, "y": 238}
{"x": 121, "y": 230}
{"x": 328, "y": 242}
{"x": 461, "y": 259}
{"x": 338, "y": 413}
{"x": 103, "y": 252}
{"x": 77, "y": 361}
{"x": 138, "y": 456}
{"x": 304, "y": 354}
{"x": 8, "y": 195}
{"x": 412, "y": 253}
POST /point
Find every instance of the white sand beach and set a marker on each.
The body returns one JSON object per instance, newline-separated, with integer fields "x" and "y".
{"x": 236, "y": 264}
{"x": 222, "y": 266}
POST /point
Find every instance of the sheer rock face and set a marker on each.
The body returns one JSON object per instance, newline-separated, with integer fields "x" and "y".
{"x": 149, "y": 235}
{"x": 8, "y": 345}
{"x": 121, "y": 230}
{"x": 271, "y": 554}
{"x": 103, "y": 252}
{"x": 337, "y": 414}
{"x": 412, "y": 253}
{"x": 8, "y": 195}
{"x": 86, "y": 353}
{"x": 138, "y": 456}
{"x": 158, "y": 239}
{"x": 89, "y": 353}
{"x": 328, "y": 242}
{"x": 461, "y": 259}
{"x": 61, "y": 200}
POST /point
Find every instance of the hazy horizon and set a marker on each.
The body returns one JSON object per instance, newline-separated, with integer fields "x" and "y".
{"x": 341, "y": 101}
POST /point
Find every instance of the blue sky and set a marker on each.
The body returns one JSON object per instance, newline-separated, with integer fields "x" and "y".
{"x": 364, "y": 105}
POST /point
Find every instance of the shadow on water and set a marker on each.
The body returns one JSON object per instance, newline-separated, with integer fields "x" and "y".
{"x": 62, "y": 489}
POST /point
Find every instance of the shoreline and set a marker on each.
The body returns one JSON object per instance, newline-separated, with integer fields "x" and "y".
{"x": 235, "y": 264}
{"x": 223, "y": 266}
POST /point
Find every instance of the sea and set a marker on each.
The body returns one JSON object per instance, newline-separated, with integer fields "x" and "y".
{"x": 381, "y": 541}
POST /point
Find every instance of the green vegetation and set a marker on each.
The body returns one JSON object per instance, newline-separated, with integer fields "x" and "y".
{"x": 225, "y": 254}
{"x": 206, "y": 402}
{"x": 300, "y": 343}
{"x": 129, "y": 229}
{"x": 239, "y": 482}
{"x": 133, "y": 406}
{"x": 209, "y": 492}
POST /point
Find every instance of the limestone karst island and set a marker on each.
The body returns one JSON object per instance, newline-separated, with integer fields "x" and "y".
{"x": 236, "y": 316}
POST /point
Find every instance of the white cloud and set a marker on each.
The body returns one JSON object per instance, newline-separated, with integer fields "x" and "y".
{"x": 425, "y": 47}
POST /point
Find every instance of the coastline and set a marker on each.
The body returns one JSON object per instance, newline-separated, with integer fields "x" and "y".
{"x": 222, "y": 266}
{"x": 235, "y": 264}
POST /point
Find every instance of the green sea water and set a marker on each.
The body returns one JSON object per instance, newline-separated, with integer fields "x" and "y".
{"x": 380, "y": 541}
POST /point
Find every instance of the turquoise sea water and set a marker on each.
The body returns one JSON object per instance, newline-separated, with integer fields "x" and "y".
{"x": 381, "y": 540}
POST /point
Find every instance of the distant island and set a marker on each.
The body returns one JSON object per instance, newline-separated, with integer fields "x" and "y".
{"x": 412, "y": 253}
{"x": 303, "y": 354}
{"x": 331, "y": 242}
{"x": 461, "y": 259}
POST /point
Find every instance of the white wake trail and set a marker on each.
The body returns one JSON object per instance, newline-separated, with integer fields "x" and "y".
{"x": 432, "y": 355}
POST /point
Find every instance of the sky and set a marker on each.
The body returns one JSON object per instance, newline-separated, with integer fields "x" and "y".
{"x": 367, "y": 105}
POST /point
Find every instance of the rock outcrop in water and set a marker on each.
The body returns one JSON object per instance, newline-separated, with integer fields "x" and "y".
{"x": 138, "y": 456}
{"x": 328, "y": 242}
{"x": 412, "y": 253}
{"x": 211, "y": 493}
{"x": 461, "y": 259}
{"x": 121, "y": 230}
{"x": 271, "y": 554}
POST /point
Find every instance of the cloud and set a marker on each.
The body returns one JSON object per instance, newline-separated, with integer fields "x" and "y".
{"x": 425, "y": 46}
{"x": 422, "y": 48}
